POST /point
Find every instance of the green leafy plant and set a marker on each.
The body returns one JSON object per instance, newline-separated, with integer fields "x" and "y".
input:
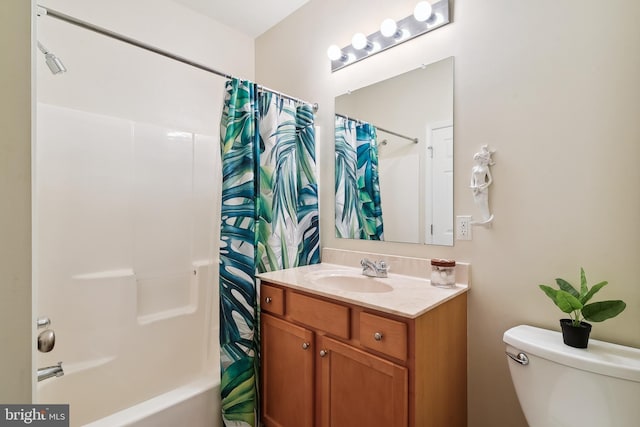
{"x": 574, "y": 302}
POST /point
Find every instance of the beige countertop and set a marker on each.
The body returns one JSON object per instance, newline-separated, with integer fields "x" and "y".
{"x": 398, "y": 294}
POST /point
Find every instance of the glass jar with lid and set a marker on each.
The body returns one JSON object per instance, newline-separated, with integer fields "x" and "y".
{"x": 443, "y": 273}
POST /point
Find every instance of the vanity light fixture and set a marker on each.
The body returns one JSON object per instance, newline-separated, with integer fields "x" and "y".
{"x": 426, "y": 17}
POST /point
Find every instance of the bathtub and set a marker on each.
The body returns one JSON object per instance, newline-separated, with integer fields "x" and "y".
{"x": 195, "y": 405}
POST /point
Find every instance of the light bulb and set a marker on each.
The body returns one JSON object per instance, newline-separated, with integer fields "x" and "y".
{"x": 388, "y": 28}
{"x": 423, "y": 11}
{"x": 334, "y": 52}
{"x": 359, "y": 41}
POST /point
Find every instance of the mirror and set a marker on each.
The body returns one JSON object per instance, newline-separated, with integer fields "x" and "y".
{"x": 394, "y": 158}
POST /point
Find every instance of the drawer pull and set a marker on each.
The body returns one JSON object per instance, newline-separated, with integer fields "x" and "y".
{"x": 268, "y": 300}
{"x": 323, "y": 353}
{"x": 305, "y": 345}
{"x": 377, "y": 336}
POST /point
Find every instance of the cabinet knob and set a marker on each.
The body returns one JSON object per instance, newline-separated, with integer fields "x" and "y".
{"x": 377, "y": 336}
{"x": 305, "y": 345}
{"x": 268, "y": 300}
{"x": 323, "y": 353}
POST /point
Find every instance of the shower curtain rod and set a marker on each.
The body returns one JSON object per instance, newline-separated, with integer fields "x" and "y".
{"x": 414, "y": 140}
{"x": 41, "y": 10}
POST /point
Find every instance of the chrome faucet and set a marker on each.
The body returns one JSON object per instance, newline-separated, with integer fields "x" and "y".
{"x": 373, "y": 268}
{"x": 50, "y": 371}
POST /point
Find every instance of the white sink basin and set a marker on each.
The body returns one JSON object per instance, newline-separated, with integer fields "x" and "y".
{"x": 344, "y": 280}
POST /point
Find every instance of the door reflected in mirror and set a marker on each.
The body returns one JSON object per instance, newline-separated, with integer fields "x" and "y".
{"x": 394, "y": 158}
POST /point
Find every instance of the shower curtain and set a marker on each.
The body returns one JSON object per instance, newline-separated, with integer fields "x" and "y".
{"x": 358, "y": 204}
{"x": 269, "y": 222}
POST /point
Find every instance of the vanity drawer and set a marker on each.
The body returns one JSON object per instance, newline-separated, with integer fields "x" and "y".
{"x": 272, "y": 299}
{"x": 323, "y": 315}
{"x": 384, "y": 335}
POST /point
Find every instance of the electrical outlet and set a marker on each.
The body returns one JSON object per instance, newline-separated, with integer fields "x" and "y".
{"x": 463, "y": 227}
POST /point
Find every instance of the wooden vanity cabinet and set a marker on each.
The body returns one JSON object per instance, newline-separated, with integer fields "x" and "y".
{"x": 360, "y": 389}
{"x": 327, "y": 363}
{"x": 287, "y": 373}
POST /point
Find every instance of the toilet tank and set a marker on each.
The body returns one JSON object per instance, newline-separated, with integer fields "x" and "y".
{"x": 562, "y": 386}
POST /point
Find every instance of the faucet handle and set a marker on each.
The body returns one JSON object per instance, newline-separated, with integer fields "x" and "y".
{"x": 46, "y": 341}
{"x": 383, "y": 269}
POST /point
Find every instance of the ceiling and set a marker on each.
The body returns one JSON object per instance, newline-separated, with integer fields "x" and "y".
{"x": 251, "y": 17}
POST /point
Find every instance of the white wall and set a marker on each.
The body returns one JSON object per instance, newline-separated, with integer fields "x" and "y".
{"x": 164, "y": 24}
{"x": 554, "y": 87}
{"x": 128, "y": 195}
{"x": 106, "y": 69}
{"x": 167, "y": 25}
{"x": 15, "y": 210}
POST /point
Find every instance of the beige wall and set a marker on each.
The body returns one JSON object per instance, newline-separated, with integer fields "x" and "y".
{"x": 15, "y": 211}
{"x": 554, "y": 87}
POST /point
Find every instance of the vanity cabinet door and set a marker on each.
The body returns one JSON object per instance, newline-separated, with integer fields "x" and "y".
{"x": 287, "y": 374}
{"x": 359, "y": 389}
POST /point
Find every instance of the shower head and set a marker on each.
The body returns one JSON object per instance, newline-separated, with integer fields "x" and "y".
{"x": 53, "y": 62}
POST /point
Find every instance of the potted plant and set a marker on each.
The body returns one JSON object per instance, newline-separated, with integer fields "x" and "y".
{"x": 575, "y": 331}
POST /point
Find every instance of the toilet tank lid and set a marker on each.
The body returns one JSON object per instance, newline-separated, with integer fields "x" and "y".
{"x": 600, "y": 357}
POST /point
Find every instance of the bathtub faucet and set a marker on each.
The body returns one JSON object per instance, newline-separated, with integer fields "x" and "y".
{"x": 50, "y": 371}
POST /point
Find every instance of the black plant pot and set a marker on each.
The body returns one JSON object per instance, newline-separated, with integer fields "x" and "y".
{"x": 575, "y": 336}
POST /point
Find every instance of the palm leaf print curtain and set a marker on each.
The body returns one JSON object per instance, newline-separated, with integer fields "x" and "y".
{"x": 269, "y": 221}
{"x": 358, "y": 204}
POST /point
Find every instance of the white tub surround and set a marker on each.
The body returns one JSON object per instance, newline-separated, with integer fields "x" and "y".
{"x": 125, "y": 259}
{"x": 406, "y": 292}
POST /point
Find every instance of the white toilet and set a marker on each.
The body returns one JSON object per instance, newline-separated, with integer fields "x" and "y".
{"x": 562, "y": 386}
